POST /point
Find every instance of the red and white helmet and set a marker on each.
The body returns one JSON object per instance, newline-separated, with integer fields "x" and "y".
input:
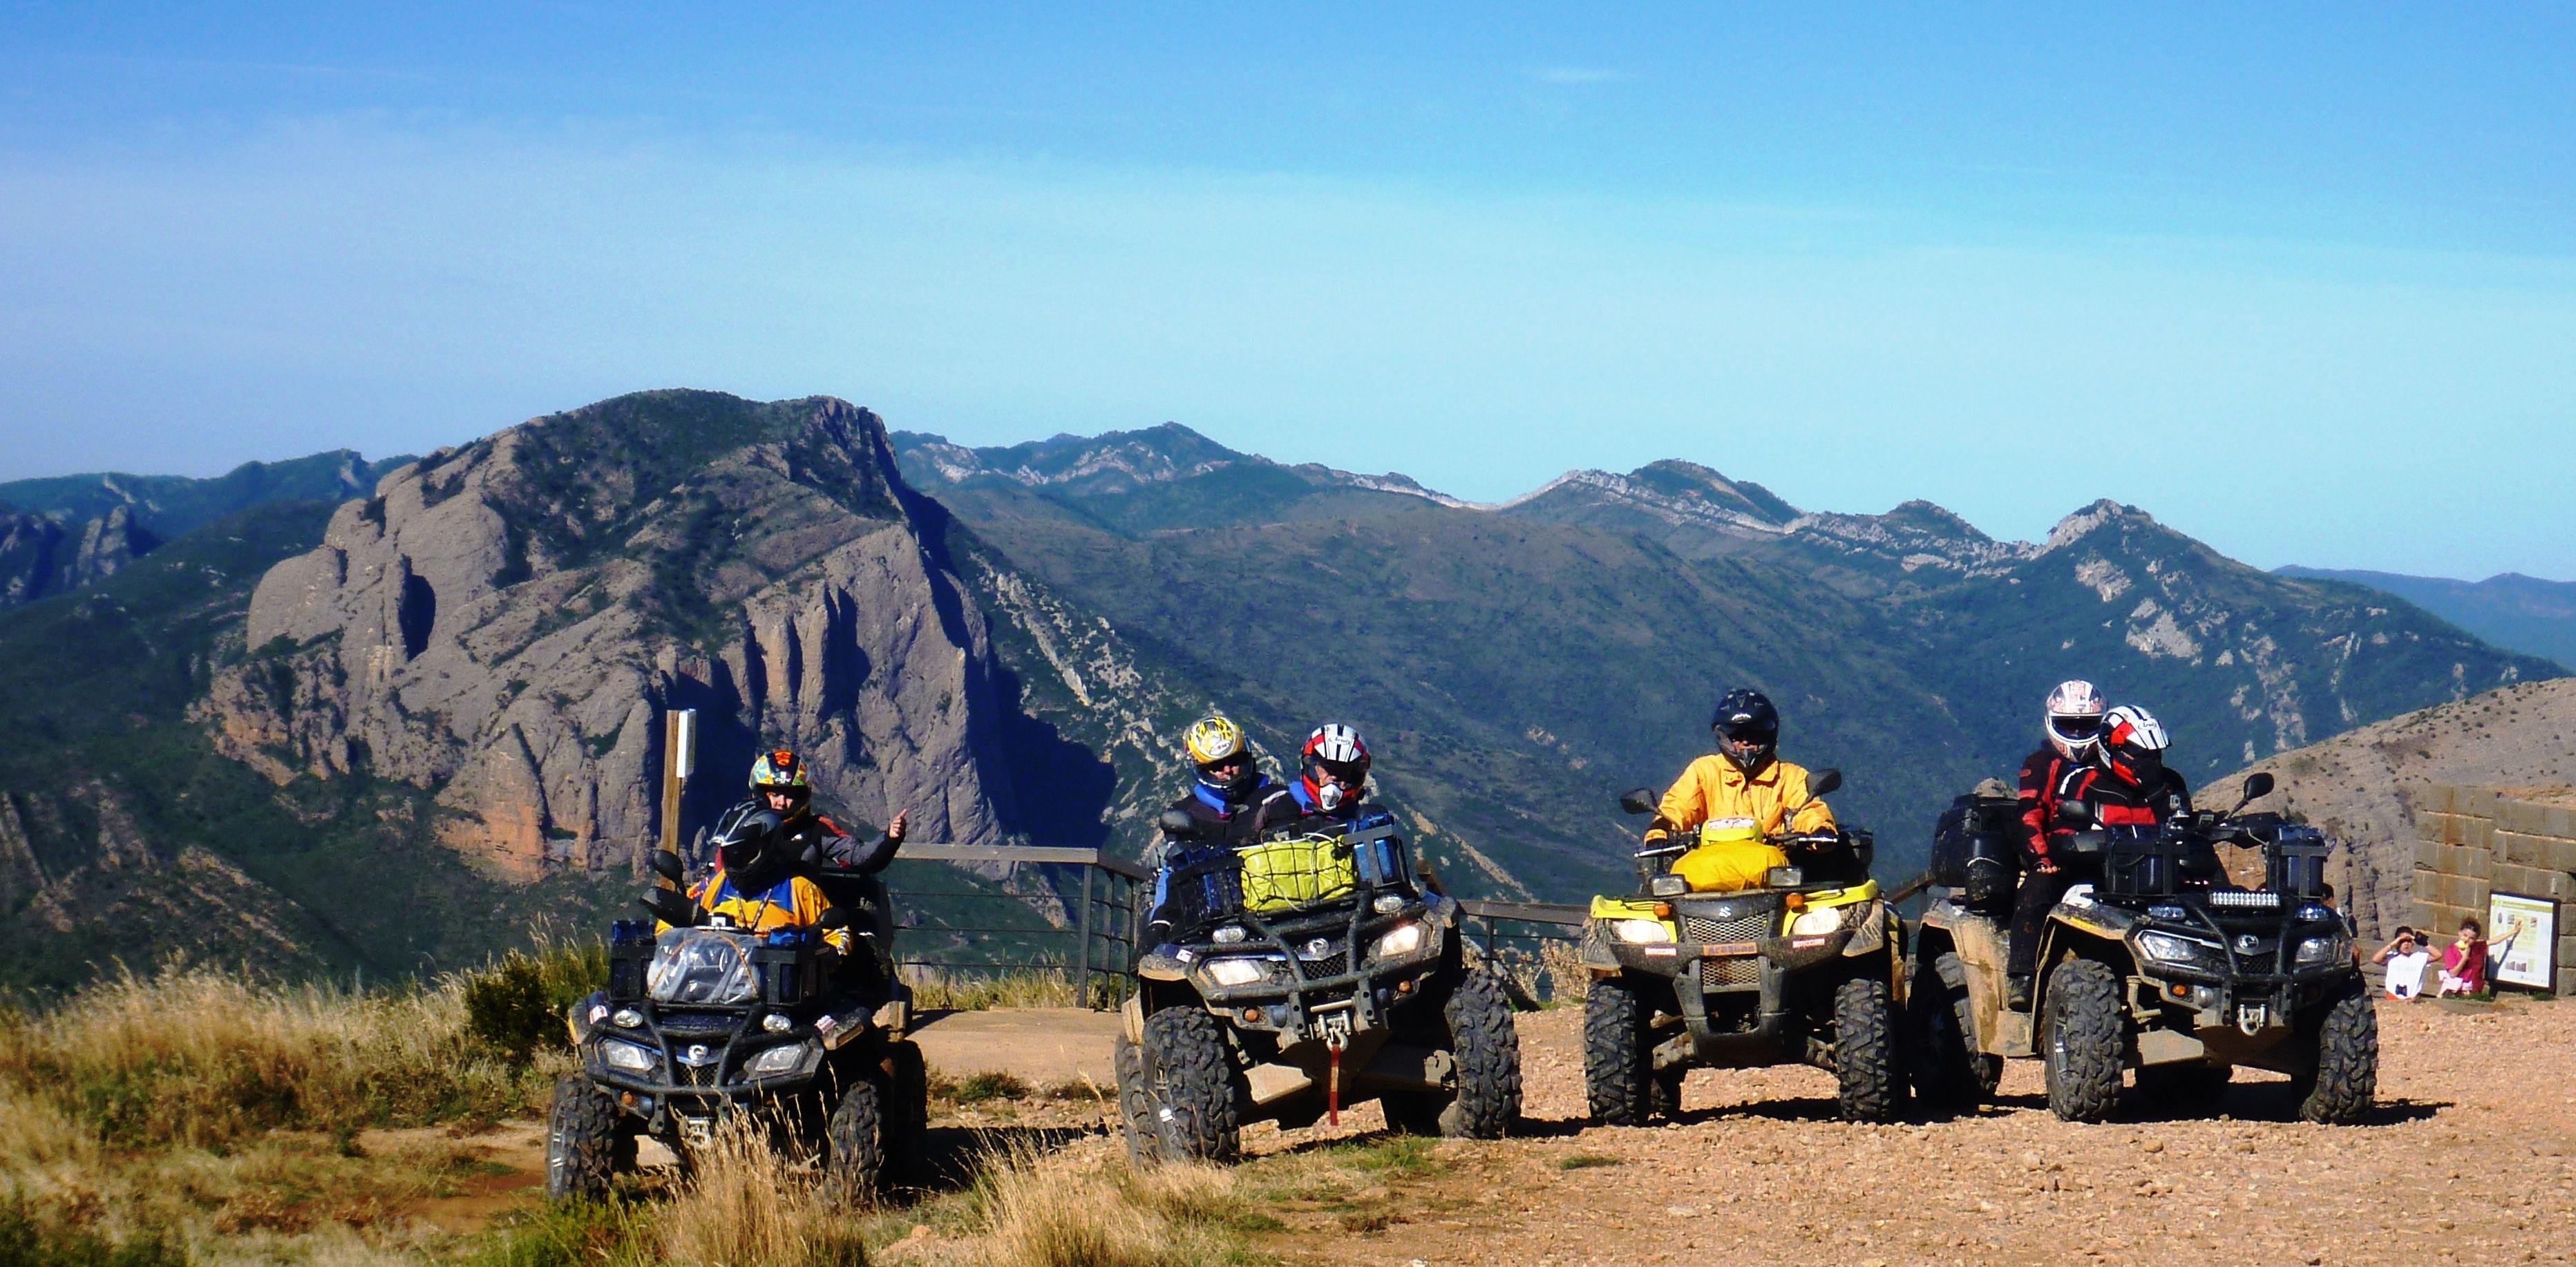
{"x": 2133, "y": 743}
{"x": 1334, "y": 765}
{"x": 2074, "y": 719}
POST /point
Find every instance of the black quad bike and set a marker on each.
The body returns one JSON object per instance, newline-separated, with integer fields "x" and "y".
{"x": 707, "y": 1019}
{"x": 1800, "y": 968}
{"x": 1307, "y": 973}
{"x": 2160, "y": 966}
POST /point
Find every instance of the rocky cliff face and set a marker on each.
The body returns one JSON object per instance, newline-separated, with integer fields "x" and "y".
{"x": 505, "y": 625}
{"x": 43, "y": 555}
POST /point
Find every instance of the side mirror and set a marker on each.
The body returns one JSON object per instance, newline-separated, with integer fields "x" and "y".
{"x": 667, "y": 865}
{"x": 1824, "y": 782}
{"x": 833, "y": 920}
{"x": 2257, "y": 786}
{"x": 1638, "y": 800}
{"x": 1177, "y": 823}
{"x": 670, "y": 908}
{"x": 2074, "y": 814}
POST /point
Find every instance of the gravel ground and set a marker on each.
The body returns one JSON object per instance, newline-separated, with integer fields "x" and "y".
{"x": 2470, "y": 1158}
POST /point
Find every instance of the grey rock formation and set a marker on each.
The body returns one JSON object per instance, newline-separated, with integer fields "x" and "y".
{"x": 44, "y": 555}
{"x": 506, "y": 624}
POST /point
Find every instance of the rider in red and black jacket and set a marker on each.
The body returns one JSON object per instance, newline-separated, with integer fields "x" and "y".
{"x": 2124, "y": 783}
{"x": 2072, "y": 723}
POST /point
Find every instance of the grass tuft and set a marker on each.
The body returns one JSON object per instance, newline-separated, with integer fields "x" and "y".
{"x": 198, "y": 1057}
{"x": 1587, "y": 1161}
{"x": 744, "y": 1204}
{"x": 938, "y": 991}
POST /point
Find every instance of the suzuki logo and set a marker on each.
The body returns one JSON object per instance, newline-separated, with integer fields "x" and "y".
{"x": 2248, "y": 943}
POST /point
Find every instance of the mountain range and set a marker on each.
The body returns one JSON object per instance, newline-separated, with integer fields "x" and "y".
{"x": 63, "y": 532}
{"x": 2513, "y": 611}
{"x": 395, "y": 728}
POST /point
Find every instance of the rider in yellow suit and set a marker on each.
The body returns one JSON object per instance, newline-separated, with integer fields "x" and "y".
{"x": 1743, "y": 785}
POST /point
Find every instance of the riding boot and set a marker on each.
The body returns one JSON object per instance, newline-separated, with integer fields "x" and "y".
{"x": 2017, "y": 993}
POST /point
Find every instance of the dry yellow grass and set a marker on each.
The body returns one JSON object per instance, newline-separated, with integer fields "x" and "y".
{"x": 1054, "y": 1210}
{"x": 746, "y": 1204}
{"x": 199, "y": 1057}
{"x": 934, "y": 990}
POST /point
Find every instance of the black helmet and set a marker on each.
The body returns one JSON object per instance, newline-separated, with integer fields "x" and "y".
{"x": 751, "y": 843}
{"x": 1748, "y": 729}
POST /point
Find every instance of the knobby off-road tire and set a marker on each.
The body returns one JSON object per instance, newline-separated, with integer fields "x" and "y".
{"x": 582, "y": 1141}
{"x": 1618, "y": 1063}
{"x": 1950, "y": 1075}
{"x": 1135, "y": 1102}
{"x": 907, "y": 1109}
{"x": 2184, "y": 1088}
{"x": 1487, "y": 1051}
{"x": 2082, "y": 1024}
{"x": 1192, "y": 1080}
{"x": 854, "y": 1155}
{"x": 2347, "y": 1076}
{"x": 1866, "y": 1063}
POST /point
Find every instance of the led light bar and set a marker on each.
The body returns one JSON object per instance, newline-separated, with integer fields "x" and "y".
{"x": 2238, "y": 901}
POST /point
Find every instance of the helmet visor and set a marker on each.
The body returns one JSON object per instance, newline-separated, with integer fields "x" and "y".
{"x": 1346, "y": 773}
{"x": 2076, "y": 727}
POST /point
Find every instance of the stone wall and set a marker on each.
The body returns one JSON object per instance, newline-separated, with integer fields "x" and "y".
{"x": 2476, "y": 841}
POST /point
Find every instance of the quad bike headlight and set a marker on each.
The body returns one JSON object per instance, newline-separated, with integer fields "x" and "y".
{"x": 2181, "y": 952}
{"x": 1235, "y": 970}
{"x": 1641, "y": 932}
{"x": 2322, "y": 950}
{"x": 776, "y": 1060}
{"x": 1816, "y": 922}
{"x": 1403, "y": 939}
{"x": 631, "y": 1057}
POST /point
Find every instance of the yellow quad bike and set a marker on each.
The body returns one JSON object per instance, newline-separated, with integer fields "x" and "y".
{"x": 2161, "y": 967}
{"x": 1700, "y": 968}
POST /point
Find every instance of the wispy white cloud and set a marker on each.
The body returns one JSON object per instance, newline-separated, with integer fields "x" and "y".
{"x": 1579, "y": 75}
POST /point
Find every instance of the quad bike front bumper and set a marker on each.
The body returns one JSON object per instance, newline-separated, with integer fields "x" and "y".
{"x": 1739, "y": 983}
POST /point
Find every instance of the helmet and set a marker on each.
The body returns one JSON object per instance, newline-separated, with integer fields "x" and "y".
{"x": 1217, "y": 748}
{"x": 2074, "y": 719}
{"x": 781, "y": 771}
{"x": 2133, "y": 743}
{"x": 1748, "y": 729}
{"x": 1335, "y": 765}
{"x": 750, "y": 844}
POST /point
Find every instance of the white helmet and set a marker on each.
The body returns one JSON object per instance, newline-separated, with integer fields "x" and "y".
{"x": 2074, "y": 719}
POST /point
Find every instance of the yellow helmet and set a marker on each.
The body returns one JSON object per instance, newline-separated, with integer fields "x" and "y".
{"x": 1217, "y": 747}
{"x": 1212, "y": 739}
{"x": 781, "y": 771}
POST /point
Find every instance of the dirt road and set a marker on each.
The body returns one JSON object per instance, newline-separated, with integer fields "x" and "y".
{"x": 2470, "y": 1159}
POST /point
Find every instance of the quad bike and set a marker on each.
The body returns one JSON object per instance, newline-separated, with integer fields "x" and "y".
{"x": 706, "y": 1019}
{"x": 1309, "y": 973}
{"x": 1797, "y": 968}
{"x": 2160, "y": 967}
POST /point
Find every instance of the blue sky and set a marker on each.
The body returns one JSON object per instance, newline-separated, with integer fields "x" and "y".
{"x": 2302, "y": 281}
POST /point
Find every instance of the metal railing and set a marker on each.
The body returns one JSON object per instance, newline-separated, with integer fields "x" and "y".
{"x": 1104, "y": 913}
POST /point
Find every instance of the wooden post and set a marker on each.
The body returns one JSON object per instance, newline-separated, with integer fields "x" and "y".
{"x": 679, "y": 758}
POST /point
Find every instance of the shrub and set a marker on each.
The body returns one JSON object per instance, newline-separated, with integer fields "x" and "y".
{"x": 516, "y": 1006}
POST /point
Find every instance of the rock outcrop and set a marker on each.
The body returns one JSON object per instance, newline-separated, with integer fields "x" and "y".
{"x": 506, "y": 624}
{"x": 43, "y": 555}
